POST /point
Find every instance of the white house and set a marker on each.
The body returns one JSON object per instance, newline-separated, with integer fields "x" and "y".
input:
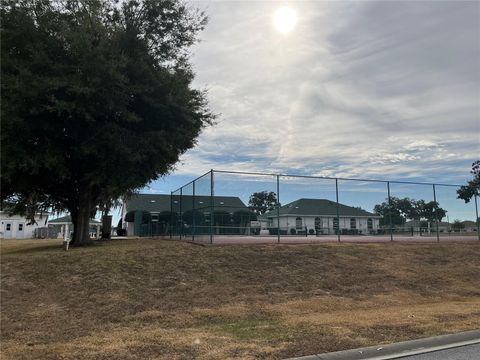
{"x": 63, "y": 226}
{"x": 469, "y": 226}
{"x": 18, "y": 227}
{"x": 321, "y": 216}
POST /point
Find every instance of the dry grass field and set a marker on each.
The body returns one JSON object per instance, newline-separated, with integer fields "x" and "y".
{"x": 154, "y": 299}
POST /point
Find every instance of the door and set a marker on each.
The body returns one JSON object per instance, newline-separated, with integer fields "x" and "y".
{"x": 20, "y": 231}
{"x": 8, "y": 230}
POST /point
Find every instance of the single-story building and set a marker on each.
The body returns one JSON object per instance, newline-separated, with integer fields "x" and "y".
{"x": 469, "y": 226}
{"x": 423, "y": 226}
{"x": 63, "y": 226}
{"x": 18, "y": 227}
{"x": 319, "y": 216}
{"x": 161, "y": 214}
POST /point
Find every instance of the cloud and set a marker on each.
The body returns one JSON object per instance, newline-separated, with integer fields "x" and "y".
{"x": 377, "y": 89}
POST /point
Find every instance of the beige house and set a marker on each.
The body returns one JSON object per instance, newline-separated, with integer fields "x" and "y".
{"x": 319, "y": 216}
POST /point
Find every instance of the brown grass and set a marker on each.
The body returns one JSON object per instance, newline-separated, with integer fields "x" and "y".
{"x": 153, "y": 299}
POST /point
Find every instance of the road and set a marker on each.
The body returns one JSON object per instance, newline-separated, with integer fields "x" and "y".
{"x": 459, "y": 346}
{"x": 469, "y": 352}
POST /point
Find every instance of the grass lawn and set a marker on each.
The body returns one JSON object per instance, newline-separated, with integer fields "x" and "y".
{"x": 146, "y": 299}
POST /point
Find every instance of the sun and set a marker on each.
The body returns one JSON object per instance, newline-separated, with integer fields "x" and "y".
{"x": 285, "y": 19}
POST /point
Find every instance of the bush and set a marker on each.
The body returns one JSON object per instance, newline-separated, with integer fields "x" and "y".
{"x": 293, "y": 232}
{"x": 311, "y": 232}
{"x": 274, "y": 231}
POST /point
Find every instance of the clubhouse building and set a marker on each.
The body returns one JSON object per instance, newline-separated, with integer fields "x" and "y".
{"x": 162, "y": 214}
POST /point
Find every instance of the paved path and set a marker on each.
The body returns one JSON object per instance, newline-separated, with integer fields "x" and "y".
{"x": 469, "y": 352}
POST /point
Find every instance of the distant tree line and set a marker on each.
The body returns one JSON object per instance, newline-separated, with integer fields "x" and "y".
{"x": 397, "y": 211}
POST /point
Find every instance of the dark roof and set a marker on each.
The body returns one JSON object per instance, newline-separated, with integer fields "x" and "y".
{"x": 321, "y": 207}
{"x": 68, "y": 219}
{"x": 161, "y": 202}
{"x": 149, "y": 202}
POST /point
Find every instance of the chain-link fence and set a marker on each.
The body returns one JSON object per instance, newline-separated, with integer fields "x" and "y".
{"x": 241, "y": 207}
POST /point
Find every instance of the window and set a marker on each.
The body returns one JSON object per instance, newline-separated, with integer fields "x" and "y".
{"x": 318, "y": 223}
{"x": 370, "y": 224}
{"x": 353, "y": 223}
{"x": 335, "y": 223}
{"x": 20, "y": 227}
{"x": 8, "y": 227}
{"x": 299, "y": 223}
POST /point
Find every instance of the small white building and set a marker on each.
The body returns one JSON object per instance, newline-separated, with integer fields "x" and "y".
{"x": 469, "y": 226}
{"x": 18, "y": 227}
{"x": 321, "y": 217}
{"x": 424, "y": 226}
{"x": 64, "y": 226}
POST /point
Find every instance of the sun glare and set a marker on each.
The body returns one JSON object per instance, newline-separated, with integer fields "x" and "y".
{"x": 285, "y": 19}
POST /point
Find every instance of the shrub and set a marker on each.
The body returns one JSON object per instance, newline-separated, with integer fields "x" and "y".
{"x": 274, "y": 231}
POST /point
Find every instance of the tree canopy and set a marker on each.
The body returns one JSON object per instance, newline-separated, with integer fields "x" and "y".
{"x": 401, "y": 210}
{"x": 263, "y": 201}
{"x": 472, "y": 188}
{"x": 96, "y": 99}
{"x": 458, "y": 225}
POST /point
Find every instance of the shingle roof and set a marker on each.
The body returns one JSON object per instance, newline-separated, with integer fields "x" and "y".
{"x": 320, "y": 207}
{"x": 161, "y": 202}
{"x": 68, "y": 219}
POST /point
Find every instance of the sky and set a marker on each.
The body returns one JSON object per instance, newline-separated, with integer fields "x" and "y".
{"x": 381, "y": 90}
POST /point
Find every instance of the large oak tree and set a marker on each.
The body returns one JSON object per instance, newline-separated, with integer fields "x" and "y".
{"x": 97, "y": 100}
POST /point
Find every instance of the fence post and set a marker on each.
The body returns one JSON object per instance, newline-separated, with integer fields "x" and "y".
{"x": 435, "y": 211}
{"x": 171, "y": 214}
{"x": 212, "y": 206}
{"x": 338, "y": 211}
{"x": 278, "y": 208}
{"x": 180, "y": 220}
{"x": 390, "y": 211}
{"x": 478, "y": 220}
{"x": 193, "y": 212}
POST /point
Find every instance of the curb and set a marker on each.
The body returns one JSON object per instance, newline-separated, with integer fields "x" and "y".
{"x": 401, "y": 349}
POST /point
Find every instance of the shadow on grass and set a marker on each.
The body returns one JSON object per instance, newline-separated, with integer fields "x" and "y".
{"x": 33, "y": 249}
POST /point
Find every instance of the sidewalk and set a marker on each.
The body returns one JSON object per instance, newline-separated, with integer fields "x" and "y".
{"x": 401, "y": 349}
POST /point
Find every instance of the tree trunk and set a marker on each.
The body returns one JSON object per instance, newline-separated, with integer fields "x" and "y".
{"x": 81, "y": 220}
{"x": 106, "y": 226}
